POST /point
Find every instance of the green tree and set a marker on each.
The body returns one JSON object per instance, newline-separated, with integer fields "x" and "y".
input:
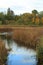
{"x": 10, "y": 14}
{"x": 41, "y": 13}
{"x": 2, "y": 18}
{"x": 35, "y": 12}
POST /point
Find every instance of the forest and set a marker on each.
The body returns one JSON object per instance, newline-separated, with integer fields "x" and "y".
{"x": 34, "y": 18}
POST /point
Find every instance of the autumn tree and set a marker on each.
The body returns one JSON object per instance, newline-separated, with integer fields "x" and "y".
{"x": 26, "y": 18}
{"x": 41, "y": 17}
{"x": 34, "y": 13}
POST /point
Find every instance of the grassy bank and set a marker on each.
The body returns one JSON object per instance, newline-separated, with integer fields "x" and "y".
{"x": 40, "y": 52}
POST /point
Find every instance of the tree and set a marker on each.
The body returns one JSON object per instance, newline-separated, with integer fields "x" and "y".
{"x": 41, "y": 14}
{"x": 10, "y": 14}
{"x": 26, "y": 18}
{"x": 2, "y": 18}
{"x": 34, "y": 13}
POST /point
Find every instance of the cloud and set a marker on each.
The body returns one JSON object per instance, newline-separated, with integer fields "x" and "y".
{"x": 21, "y": 6}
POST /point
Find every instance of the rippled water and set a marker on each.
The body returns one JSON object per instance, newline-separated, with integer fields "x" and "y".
{"x": 21, "y": 55}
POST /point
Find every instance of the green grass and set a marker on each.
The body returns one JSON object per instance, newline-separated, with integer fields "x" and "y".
{"x": 40, "y": 52}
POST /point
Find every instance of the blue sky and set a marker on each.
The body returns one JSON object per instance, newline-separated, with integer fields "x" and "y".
{"x": 21, "y": 6}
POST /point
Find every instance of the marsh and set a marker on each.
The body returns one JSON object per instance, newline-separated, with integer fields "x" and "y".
{"x": 20, "y": 55}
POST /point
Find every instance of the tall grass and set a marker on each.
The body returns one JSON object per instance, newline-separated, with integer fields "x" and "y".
{"x": 28, "y": 38}
{"x": 40, "y": 52}
{"x": 3, "y": 53}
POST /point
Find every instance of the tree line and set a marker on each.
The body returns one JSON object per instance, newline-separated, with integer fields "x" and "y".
{"x": 34, "y": 18}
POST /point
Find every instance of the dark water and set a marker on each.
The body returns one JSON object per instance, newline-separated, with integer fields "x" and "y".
{"x": 21, "y": 55}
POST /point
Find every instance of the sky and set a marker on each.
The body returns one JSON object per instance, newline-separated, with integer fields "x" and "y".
{"x": 21, "y": 6}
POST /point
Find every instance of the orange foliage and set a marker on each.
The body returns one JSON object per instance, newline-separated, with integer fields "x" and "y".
{"x": 42, "y": 19}
{"x": 37, "y": 20}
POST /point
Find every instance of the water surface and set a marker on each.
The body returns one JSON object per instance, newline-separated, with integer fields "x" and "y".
{"x": 20, "y": 55}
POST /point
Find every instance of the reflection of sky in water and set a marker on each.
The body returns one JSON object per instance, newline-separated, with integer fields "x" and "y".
{"x": 21, "y": 56}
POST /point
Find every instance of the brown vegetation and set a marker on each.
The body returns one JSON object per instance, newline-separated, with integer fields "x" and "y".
{"x": 24, "y": 35}
{"x": 3, "y": 53}
{"x": 27, "y": 36}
